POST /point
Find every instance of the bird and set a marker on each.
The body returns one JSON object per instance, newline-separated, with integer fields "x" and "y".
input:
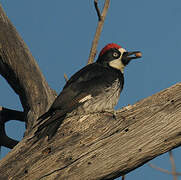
{"x": 94, "y": 88}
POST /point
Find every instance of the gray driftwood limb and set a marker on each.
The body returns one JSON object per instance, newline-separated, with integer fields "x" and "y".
{"x": 98, "y": 146}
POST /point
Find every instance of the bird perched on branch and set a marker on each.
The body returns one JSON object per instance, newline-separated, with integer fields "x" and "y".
{"x": 94, "y": 88}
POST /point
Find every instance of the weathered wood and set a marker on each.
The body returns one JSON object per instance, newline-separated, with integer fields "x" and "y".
{"x": 21, "y": 71}
{"x": 97, "y": 146}
{"x": 4, "y": 139}
{"x": 5, "y": 116}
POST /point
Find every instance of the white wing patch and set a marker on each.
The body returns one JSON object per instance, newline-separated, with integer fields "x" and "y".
{"x": 85, "y": 98}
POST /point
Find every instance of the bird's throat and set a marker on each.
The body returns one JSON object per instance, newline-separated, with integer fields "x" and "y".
{"x": 117, "y": 64}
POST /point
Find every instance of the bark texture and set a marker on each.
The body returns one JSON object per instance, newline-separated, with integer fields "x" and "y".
{"x": 93, "y": 146}
{"x": 21, "y": 71}
{"x": 99, "y": 146}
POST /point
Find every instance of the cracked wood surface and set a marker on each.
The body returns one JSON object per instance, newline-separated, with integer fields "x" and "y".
{"x": 98, "y": 146}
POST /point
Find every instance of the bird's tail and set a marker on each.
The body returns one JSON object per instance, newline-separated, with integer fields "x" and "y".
{"x": 44, "y": 116}
{"x": 50, "y": 126}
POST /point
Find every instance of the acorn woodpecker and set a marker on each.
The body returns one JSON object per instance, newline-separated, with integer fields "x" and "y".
{"x": 94, "y": 88}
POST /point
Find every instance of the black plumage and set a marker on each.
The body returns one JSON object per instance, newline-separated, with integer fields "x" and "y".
{"x": 95, "y": 88}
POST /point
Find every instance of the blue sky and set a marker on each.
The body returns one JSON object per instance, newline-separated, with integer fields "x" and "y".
{"x": 59, "y": 35}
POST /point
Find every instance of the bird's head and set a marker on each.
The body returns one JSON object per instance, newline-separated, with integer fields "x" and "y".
{"x": 115, "y": 56}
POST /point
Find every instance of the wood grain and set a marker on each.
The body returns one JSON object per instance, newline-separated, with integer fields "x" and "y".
{"x": 21, "y": 71}
{"x": 98, "y": 146}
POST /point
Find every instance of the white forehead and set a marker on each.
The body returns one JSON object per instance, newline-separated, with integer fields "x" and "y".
{"x": 122, "y": 50}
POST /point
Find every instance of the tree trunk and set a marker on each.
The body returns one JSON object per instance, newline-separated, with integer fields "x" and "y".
{"x": 93, "y": 146}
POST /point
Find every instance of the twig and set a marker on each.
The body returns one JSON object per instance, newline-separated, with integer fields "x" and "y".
{"x": 65, "y": 77}
{"x": 173, "y": 165}
{"x": 97, "y": 9}
{"x": 98, "y": 32}
{"x": 163, "y": 170}
{"x": 123, "y": 177}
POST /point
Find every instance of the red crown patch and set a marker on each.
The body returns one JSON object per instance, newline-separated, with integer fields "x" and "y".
{"x": 109, "y": 46}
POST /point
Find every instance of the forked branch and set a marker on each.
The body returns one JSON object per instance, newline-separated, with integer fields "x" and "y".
{"x": 97, "y": 9}
{"x": 173, "y": 165}
{"x": 21, "y": 71}
{"x": 101, "y": 17}
{"x": 173, "y": 172}
{"x": 163, "y": 170}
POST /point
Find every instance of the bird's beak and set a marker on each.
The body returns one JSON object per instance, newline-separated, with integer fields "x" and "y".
{"x": 128, "y": 56}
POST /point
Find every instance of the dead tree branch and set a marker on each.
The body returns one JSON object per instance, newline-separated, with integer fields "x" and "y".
{"x": 6, "y": 115}
{"x": 9, "y": 114}
{"x": 4, "y": 139}
{"x": 163, "y": 170}
{"x": 100, "y": 145}
{"x": 97, "y": 10}
{"x": 173, "y": 172}
{"x": 173, "y": 165}
{"x": 21, "y": 71}
{"x": 93, "y": 50}
{"x": 65, "y": 77}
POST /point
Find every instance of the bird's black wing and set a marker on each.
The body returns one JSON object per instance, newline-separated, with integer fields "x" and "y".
{"x": 89, "y": 81}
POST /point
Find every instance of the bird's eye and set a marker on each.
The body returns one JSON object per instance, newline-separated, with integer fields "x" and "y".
{"x": 115, "y": 55}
